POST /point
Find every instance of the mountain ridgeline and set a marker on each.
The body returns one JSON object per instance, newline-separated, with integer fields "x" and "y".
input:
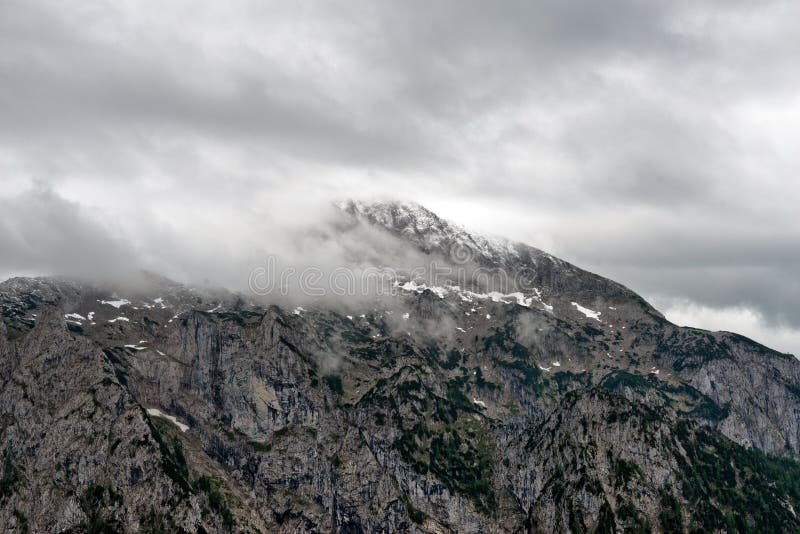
{"x": 561, "y": 402}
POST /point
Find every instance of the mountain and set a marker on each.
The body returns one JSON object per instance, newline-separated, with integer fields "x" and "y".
{"x": 509, "y": 391}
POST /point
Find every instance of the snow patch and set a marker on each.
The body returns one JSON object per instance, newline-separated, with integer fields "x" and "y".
{"x": 116, "y": 303}
{"x": 119, "y": 319}
{"x": 470, "y": 296}
{"x": 591, "y": 314}
{"x": 411, "y": 285}
{"x": 158, "y": 413}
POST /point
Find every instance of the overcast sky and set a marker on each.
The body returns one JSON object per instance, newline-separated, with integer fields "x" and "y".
{"x": 652, "y": 142}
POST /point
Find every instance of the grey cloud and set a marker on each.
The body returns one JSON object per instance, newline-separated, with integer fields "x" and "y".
{"x": 649, "y": 141}
{"x": 41, "y": 232}
{"x": 60, "y": 82}
{"x": 722, "y": 266}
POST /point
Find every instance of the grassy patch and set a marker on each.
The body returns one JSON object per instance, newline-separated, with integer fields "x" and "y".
{"x": 217, "y": 502}
{"x": 335, "y": 383}
{"x": 417, "y": 516}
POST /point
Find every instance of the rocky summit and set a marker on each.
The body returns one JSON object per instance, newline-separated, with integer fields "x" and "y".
{"x": 551, "y": 400}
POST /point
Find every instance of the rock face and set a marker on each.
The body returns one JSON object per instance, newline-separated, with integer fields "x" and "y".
{"x": 560, "y": 401}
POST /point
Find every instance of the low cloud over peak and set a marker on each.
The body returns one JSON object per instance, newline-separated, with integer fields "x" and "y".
{"x": 651, "y": 142}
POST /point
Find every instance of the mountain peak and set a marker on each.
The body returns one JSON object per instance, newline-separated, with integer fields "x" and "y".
{"x": 393, "y": 214}
{"x": 431, "y": 233}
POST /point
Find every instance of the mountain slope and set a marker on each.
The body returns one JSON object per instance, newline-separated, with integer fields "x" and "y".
{"x": 550, "y": 400}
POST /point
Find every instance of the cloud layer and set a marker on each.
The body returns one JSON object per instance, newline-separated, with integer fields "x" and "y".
{"x": 653, "y": 142}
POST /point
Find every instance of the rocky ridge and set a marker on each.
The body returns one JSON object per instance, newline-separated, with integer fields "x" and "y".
{"x": 561, "y": 402}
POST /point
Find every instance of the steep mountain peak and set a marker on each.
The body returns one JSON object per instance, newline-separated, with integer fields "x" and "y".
{"x": 432, "y": 233}
{"x": 395, "y": 215}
